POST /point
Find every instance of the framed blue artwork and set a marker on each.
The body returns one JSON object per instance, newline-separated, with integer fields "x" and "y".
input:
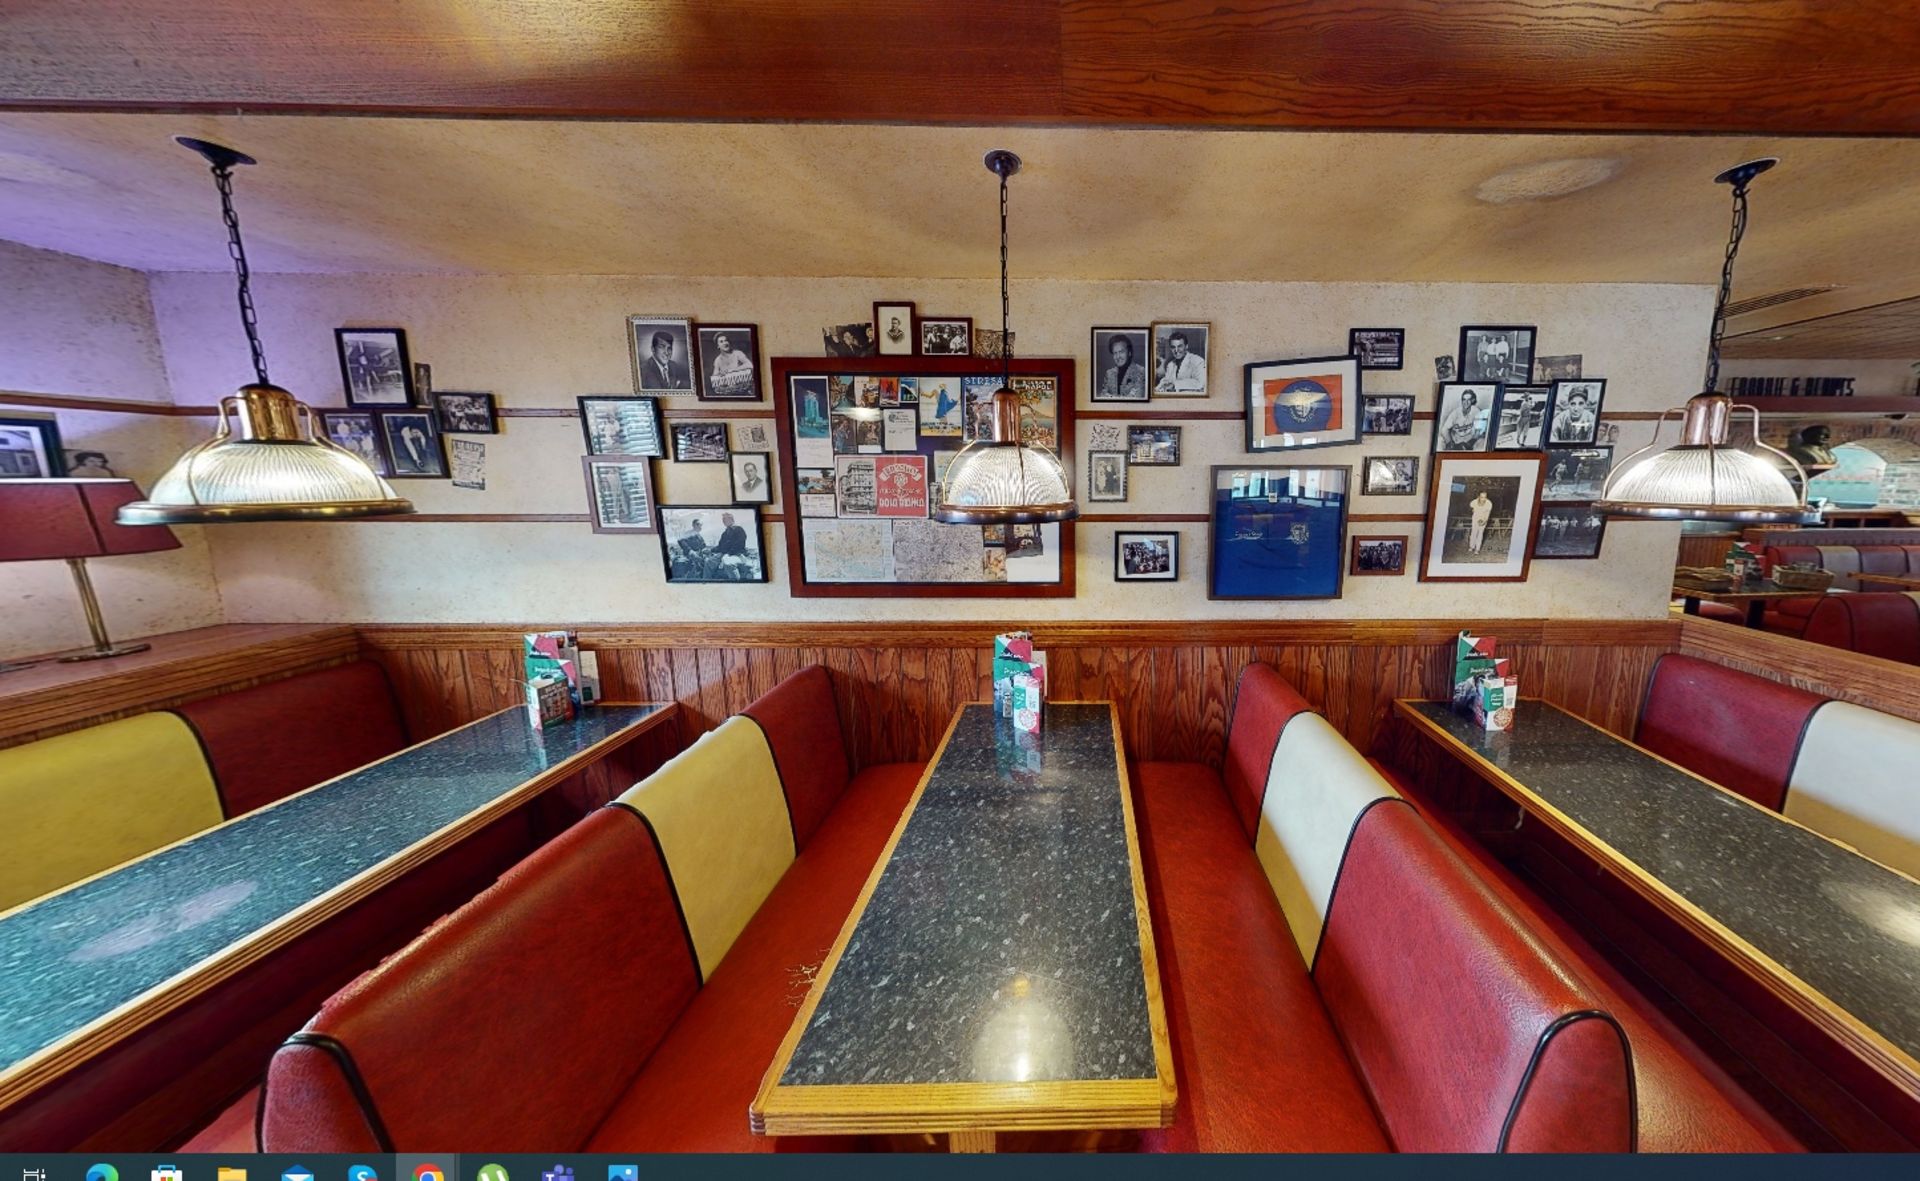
{"x": 1277, "y": 532}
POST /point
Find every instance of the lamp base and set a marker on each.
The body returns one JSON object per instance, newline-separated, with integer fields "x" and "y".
{"x": 103, "y": 653}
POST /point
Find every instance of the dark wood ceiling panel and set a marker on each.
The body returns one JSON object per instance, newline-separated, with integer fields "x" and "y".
{"x": 1764, "y": 66}
{"x": 1888, "y": 331}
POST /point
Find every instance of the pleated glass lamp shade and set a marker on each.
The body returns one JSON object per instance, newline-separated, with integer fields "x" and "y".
{"x": 1005, "y": 481}
{"x": 1701, "y": 478}
{"x": 276, "y": 470}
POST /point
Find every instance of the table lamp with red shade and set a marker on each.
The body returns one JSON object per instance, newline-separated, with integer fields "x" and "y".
{"x": 74, "y": 519}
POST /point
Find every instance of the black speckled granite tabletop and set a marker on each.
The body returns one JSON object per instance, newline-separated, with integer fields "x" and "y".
{"x": 1000, "y": 944}
{"x": 72, "y": 958}
{"x": 1845, "y": 925}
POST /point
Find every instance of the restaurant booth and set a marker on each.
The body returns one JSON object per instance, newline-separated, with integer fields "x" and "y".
{"x": 557, "y": 603}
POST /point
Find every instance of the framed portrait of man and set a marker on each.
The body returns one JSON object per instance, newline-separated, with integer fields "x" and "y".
{"x": 1482, "y": 514}
{"x": 1121, "y": 367}
{"x": 1180, "y": 352}
{"x": 893, "y": 328}
{"x": 729, "y": 363}
{"x": 663, "y": 351}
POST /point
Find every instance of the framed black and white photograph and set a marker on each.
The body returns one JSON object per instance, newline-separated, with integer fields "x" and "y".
{"x": 620, "y": 493}
{"x": 700, "y": 442}
{"x": 1499, "y": 353}
{"x": 415, "y": 450}
{"x": 616, "y": 424}
{"x": 991, "y": 342}
{"x": 752, "y": 473}
{"x": 1153, "y": 446}
{"x": 355, "y": 431}
{"x": 1463, "y": 417}
{"x": 1277, "y": 532}
{"x": 1443, "y": 368}
{"x": 466, "y": 413}
{"x": 1146, "y": 557}
{"x": 848, "y": 340}
{"x": 1378, "y": 348}
{"x": 374, "y": 366}
{"x": 1386, "y": 414}
{"x": 893, "y": 326}
{"x": 1390, "y": 475}
{"x": 1547, "y": 370}
{"x": 1307, "y": 402}
{"x": 1520, "y": 417}
{"x": 946, "y": 336}
{"x": 30, "y": 449}
{"x": 1379, "y": 555}
{"x": 664, "y": 360}
{"x": 1106, "y": 475}
{"x": 1576, "y": 410}
{"x": 1577, "y": 473}
{"x": 1481, "y": 513}
{"x": 729, "y": 363}
{"x": 1570, "y": 531}
{"x": 1180, "y": 352}
{"x": 1120, "y": 365}
{"x": 712, "y": 543}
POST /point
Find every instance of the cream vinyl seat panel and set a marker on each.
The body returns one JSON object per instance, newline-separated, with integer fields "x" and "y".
{"x": 1857, "y": 779}
{"x": 1317, "y": 787}
{"x": 720, "y": 816}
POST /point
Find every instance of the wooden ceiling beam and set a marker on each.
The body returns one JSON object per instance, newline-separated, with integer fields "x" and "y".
{"x": 1836, "y": 67}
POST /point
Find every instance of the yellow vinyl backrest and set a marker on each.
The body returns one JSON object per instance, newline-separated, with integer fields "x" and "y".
{"x": 721, "y": 819}
{"x": 75, "y": 804}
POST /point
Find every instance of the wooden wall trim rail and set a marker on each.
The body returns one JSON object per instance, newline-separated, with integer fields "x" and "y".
{"x": 1728, "y": 66}
{"x": 1885, "y": 685}
{"x": 1078, "y": 633}
{"x": 103, "y": 405}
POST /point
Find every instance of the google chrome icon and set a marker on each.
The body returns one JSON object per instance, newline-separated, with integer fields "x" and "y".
{"x": 429, "y": 1172}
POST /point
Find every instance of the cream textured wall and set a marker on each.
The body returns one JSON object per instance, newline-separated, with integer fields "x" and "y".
{"x": 78, "y": 328}
{"x": 541, "y": 341}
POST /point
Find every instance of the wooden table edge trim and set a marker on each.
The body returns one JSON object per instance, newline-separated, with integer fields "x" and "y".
{"x": 1890, "y": 1061}
{"x": 779, "y": 1110}
{"x": 36, "y": 1070}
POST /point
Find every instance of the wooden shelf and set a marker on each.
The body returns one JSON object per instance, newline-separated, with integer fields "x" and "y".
{"x": 1826, "y": 407}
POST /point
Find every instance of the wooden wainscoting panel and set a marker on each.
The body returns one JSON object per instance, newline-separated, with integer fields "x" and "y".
{"x": 1173, "y": 682}
{"x": 1885, "y": 685}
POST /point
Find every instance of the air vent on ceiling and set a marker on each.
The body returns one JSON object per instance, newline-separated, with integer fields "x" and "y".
{"x": 1741, "y": 307}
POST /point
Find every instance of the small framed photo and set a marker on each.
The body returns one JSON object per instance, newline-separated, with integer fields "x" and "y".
{"x": 1311, "y": 402}
{"x": 30, "y": 449}
{"x": 620, "y": 493}
{"x": 893, "y": 322}
{"x": 1576, "y": 410}
{"x": 1547, "y": 370}
{"x": 1481, "y": 513}
{"x": 848, "y": 340}
{"x": 1463, "y": 420}
{"x": 751, "y": 435}
{"x": 1277, "y": 532}
{"x": 729, "y": 363}
{"x": 1570, "y": 531}
{"x": 712, "y": 543}
{"x": 1390, "y": 475}
{"x": 1378, "y": 348}
{"x": 615, "y": 424}
{"x": 1106, "y": 475}
{"x": 1386, "y": 414}
{"x": 1520, "y": 417}
{"x": 1153, "y": 446}
{"x": 1146, "y": 557}
{"x": 752, "y": 473}
{"x": 1502, "y": 353}
{"x": 700, "y": 442}
{"x": 466, "y": 414}
{"x": 991, "y": 342}
{"x": 374, "y": 366}
{"x": 351, "y": 430}
{"x": 946, "y": 336}
{"x": 1379, "y": 555}
{"x": 663, "y": 354}
{"x": 1180, "y": 351}
{"x": 1120, "y": 365}
{"x": 415, "y": 450}
{"x": 1577, "y": 473}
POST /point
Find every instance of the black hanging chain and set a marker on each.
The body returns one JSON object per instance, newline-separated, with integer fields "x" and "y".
{"x": 223, "y": 178}
{"x": 1738, "y": 232}
{"x": 1006, "y": 337}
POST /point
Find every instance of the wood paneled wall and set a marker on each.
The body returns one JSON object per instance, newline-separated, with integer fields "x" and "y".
{"x": 1885, "y": 685}
{"x": 899, "y": 684}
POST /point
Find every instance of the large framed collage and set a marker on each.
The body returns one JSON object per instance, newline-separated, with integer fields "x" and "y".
{"x": 864, "y": 444}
